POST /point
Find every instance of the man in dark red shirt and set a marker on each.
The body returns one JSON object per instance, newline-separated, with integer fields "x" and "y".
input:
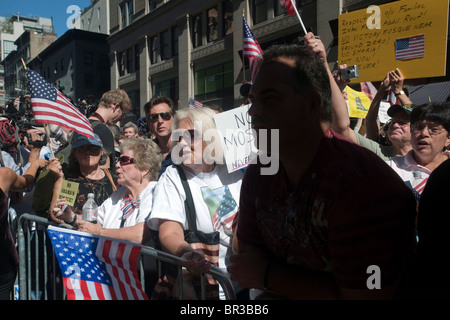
{"x": 334, "y": 221}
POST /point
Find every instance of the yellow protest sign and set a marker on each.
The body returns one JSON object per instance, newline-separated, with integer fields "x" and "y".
{"x": 409, "y": 35}
{"x": 358, "y": 103}
{"x": 69, "y": 191}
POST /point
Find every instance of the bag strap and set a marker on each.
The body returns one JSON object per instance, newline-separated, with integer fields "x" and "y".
{"x": 189, "y": 202}
{"x": 108, "y": 174}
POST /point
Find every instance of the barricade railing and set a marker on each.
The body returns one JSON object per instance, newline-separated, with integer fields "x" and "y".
{"x": 39, "y": 276}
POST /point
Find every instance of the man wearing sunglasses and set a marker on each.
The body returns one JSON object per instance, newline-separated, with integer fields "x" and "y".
{"x": 159, "y": 113}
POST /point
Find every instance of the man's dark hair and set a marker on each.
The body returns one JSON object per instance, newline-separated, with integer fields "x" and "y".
{"x": 436, "y": 112}
{"x": 311, "y": 73}
{"x": 157, "y": 100}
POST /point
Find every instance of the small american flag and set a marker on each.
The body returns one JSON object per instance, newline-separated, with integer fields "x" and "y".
{"x": 289, "y": 5}
{"x": 410, "y": 48}
{"x": 226, "y": 212}
{"x": 52, "y": 107}
{"x": 95, "y": 267}
{"x": 194, "y": 104}
{"x": 391, "y": 98}
{"x": 251, "y": 49}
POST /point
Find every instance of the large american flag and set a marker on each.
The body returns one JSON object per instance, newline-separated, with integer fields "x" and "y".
{"x": 95, "y": 267}
{"x": 52, "y": 107}
{"x": 410, "y": 48}
{"x": 289, "y": 5}
{"x": 251, "y": 49}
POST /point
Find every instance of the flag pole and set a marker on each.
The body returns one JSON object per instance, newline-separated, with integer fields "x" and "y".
{"x": 299, "y": 18}
{"x": 47, "y": 130}
{"x": 243, "y": 56}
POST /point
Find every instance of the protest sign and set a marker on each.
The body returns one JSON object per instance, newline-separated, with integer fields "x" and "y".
{"x": 409, "y": 35}
{"x": 237, "y": 137}
{"x": 69, "y": 191}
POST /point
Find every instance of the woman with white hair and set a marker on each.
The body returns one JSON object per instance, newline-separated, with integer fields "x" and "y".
{"x": 198, "y": 154}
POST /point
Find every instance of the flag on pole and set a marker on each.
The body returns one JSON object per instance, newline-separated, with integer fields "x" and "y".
{"x": 410, "y": 48}
{"x": 52, "y": 107}
{"x": 194, "y": 104}
{"x": 289, "y": 5}
{"x": 95, "y": 267}
{"x": 251, "y": 49}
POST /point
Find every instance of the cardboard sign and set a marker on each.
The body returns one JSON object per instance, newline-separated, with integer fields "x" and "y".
{"x": 409, "y": 35}
{"x": 69, "y": 191}
{"x": 237, "y": 137}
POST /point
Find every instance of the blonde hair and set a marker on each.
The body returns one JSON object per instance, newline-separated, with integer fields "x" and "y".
{"x": 116, "y": 96}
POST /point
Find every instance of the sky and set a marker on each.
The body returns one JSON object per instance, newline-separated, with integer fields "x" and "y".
{"x": 56, "y": 9}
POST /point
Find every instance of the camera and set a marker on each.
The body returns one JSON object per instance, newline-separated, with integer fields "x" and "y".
{"x": 350, "y": 72}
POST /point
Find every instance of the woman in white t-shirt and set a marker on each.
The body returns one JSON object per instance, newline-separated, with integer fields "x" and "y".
{"x": 124, "y": 213}
{"x": 215, "y": 192}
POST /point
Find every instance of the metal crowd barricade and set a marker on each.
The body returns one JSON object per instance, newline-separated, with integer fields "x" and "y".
{"x": 39, "y": 275}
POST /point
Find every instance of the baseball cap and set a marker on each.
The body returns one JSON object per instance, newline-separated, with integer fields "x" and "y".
{"x": 397, "y": 108}
{"x": 80, "y": 140}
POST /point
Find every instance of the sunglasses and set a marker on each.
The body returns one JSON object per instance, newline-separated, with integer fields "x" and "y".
{"x": 155, "y": 116}
{"x": 190, "y": 136}
{"x": 125, "y": 160}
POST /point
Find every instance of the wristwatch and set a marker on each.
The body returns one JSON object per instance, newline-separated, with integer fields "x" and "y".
{"x": 400, "y": 93}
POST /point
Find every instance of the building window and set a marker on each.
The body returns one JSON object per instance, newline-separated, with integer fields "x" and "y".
{"x": 88, "y": 58}
{"x": 214, "y": 79}
{"x": 168, "y": 88}
{"x": 129, "y": 62}
{"x": 153, "y": 47}
{"x": 123, "y": 10}
{"x": 212, "y": 24}
{"x": 197, "y": 30}
{"x": 8, "y": 46}
{"x": 278, "y": 9}
{"x": 98, "y": 13}
{"x": 174, "y": 39}
{"x": 136, "y": 57}
{"x": 228, "y": 17}
{"x": 165, "y": 53}
{"x": 130, "y": 12}
{"x": 121, "y": 63}
{"x": 259, "y": 11}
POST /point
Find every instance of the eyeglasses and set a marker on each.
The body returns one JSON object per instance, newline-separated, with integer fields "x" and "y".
{"x": 155, "y": 116}
{"x": 190, "y": 136}
{"x": 433, "y": 130}
{"x": 126, "y": 160}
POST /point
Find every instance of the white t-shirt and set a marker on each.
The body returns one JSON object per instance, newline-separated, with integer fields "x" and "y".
{"x": 110, "y": 212}
{"x": 216, "y": 201}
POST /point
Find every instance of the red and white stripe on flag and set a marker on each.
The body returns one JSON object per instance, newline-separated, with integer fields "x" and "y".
{"x": 251, "y": 49}
{"x": 52, "y": 107}
{"x": 289, "y": 5}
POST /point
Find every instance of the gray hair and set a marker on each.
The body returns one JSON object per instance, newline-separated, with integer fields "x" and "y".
{"x": 147, "y": 155}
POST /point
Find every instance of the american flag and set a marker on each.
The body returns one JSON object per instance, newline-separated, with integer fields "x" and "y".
{"x": 289, "y": 5}
{"x": 369, "y": 89}
{"x": 410, "y": 48}
{"x": 95, "y": 267}
{"x": 251, "y": 49}
{"x": 225, "y": 214}
{"x": 194, "y": 104}
{"x": 391, "y": 98}
{"x": 52, "y": 107}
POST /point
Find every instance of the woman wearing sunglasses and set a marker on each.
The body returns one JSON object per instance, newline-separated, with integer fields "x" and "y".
{"x": 123, "y": 214}
{"x": 197, "y": 150}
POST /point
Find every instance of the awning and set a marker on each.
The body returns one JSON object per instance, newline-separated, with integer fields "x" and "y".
{"x": 430, "y": 92}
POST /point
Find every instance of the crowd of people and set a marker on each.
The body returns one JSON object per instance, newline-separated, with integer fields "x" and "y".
{"x": 340, "y": 204}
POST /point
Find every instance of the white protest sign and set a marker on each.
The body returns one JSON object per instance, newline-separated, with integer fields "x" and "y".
{"x": 237, "y": 136}
{"x": 382, "y": 112}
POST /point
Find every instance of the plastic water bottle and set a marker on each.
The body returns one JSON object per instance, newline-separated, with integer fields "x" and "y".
{"x": 90, "y": 209}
